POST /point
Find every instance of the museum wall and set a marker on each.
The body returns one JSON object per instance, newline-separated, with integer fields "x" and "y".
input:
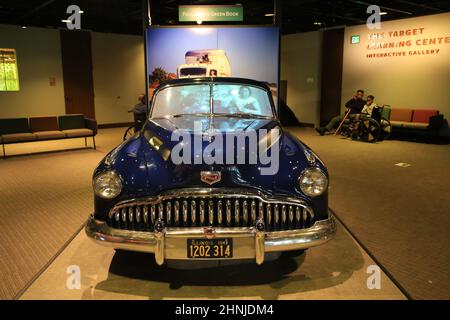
{"x": 118, "y": 72}
{"x": 38, "y": 53}
{"x": 119, "y": 75}
{"x": 301, "y": 67}
{"x": 414, "y": 76}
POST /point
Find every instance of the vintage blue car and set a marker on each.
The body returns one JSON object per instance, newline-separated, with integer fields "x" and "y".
{"x": 211, "y": 176}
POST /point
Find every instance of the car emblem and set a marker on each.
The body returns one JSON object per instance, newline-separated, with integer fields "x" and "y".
{"x": 210, "y": 177}
{"x": 210, "y": 232}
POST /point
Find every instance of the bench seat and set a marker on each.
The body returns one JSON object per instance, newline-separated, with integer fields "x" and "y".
{"x": 72, "y": 133}
{"x": 18, "y": 137}
{"x": 16, "y": 130}
{"x": 49, "y": 135}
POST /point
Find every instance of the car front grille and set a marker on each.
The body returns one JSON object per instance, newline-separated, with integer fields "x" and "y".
{"x": 234, "y": 211}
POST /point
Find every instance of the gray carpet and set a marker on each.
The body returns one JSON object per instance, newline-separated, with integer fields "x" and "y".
{"x": 401, "y": 215}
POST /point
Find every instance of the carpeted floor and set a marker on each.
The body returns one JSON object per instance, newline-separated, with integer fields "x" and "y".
{"x": 400, "y": 214}
{"x": 45, "y": 198}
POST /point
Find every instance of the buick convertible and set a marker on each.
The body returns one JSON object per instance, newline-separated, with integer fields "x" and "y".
{"x": 212, "y": 175}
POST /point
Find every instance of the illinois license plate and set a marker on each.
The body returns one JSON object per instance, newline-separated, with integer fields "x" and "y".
{"x": 210, "y": 248}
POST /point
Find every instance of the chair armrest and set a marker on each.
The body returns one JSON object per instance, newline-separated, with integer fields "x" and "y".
{"x": 91, "y": 124}
{"x": 436, "y": 122}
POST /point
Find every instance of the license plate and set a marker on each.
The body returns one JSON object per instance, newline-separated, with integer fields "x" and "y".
{"x": 210, "y": 248}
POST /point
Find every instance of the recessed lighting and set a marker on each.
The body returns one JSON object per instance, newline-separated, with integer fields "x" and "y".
{"x": 269, "y": 14}
{"x": 383, "y": 13}
{"x": 24, "y": 27}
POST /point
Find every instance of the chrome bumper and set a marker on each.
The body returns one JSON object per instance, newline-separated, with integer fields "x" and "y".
{"x": 248, "y": 243}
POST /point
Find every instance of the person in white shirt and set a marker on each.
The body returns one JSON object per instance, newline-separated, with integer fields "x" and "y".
{"x": 245, "y": 103}
{"x": 369, "y": 106}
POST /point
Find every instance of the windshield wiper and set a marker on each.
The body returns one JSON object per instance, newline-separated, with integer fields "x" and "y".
{"x": 242, "y": 115}
{"x": 188, "y": 114}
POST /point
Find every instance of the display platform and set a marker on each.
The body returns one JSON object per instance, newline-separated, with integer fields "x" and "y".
{"x": 336, "y": 270}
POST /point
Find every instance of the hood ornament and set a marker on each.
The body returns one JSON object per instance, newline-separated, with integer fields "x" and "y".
{"x": 210, "y": 177}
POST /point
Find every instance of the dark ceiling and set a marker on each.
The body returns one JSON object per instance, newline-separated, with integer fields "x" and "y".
{"x": 125, "y": 16}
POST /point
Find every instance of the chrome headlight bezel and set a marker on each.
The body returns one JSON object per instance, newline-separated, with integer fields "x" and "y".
{"x": 317, "y": 184}
{"x": 107, "y": 184}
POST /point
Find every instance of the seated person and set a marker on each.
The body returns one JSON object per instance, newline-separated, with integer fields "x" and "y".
{"x": 369, "y": 106}
{"x": 141, "y": 107}
{"x": 355, "y": 104}
{"x": 366, "y": 112}
{"x": 245, "y": 103}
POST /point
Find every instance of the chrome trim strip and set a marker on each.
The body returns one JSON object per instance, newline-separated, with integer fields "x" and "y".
{"x": 202, "y": 212}
{"x": 253, "y": 212}
{"x": 153, "y": 213}
{"x": 138, "y": 214}
{"x": 236, "y": 212}
{"x": 219, "y": 212}
{"x": 245, "y": 212}
{"x": 228, "y": 212}
{"x": 130, "y": 214}
{"x": 276, "y": 214}
{"x": 145, "y": 214}
{"x": 210, "y": 212}
{"x": 261, "y": 210}
{"x": 297, "y": 215}
{"x": 160, "y": 211}
{"x": 193, "y": 211}
{"x": 269, "y": 214}
{"x": 168, "y": 213}
{"x": 176, "y": 208}
{"x": 291, "y": 214}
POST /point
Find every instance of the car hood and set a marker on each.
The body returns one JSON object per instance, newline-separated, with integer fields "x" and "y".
{"x": 147, "y": 167}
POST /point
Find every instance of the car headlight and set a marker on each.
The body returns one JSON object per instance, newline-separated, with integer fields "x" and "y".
{"x": 313, "y": 182}
{"x": 107, "y": 185}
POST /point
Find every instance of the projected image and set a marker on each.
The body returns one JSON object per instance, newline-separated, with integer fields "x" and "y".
{"x": 243, "y": 52}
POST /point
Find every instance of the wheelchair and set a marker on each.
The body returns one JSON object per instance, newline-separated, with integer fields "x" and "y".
{"x": 368, "y": 128}
{"x": 139, "y": 120}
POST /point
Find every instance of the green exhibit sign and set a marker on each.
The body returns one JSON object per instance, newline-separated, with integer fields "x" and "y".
{"x": 355, "y": 39}
{"x": 210, "y": 13}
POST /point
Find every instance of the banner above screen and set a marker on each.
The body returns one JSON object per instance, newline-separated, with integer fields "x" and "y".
{"x": 210, "y": 13}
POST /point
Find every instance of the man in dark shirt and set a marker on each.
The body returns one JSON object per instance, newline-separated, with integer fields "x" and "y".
{"x": 141, "y": 107}
{"x": 355, "y": 104}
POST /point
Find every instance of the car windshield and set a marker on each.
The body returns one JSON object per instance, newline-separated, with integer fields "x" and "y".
{"x": 227, "y": 99}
